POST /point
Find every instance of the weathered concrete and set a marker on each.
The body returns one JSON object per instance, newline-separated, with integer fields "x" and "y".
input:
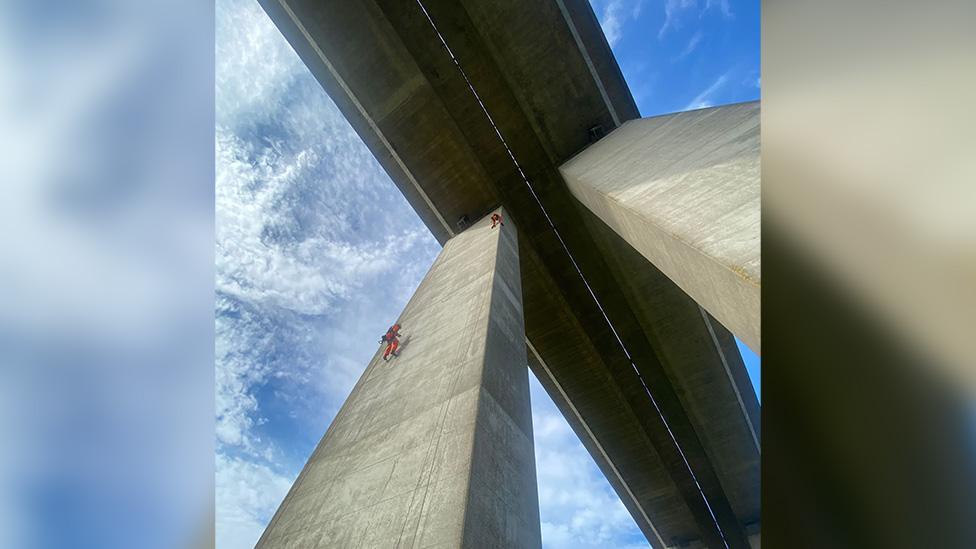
{"x": 433, "y": 448}
{"x": 714, "y": 388}
{"x": 389, "y": 73}
{"x": 683, "y": 190}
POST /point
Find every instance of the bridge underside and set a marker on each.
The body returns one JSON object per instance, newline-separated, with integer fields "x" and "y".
{"x": 545, "y": 73}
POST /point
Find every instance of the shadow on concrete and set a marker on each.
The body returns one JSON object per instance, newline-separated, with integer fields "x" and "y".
{"x": 403, "y": 345}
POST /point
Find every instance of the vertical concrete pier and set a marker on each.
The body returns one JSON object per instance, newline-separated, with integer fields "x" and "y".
{"x": 683, "y": 190}
{"x": 433, "y": 448}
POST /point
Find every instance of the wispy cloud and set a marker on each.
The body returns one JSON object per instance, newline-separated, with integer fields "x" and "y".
{"x": 579, "y": 509}
{"x": 671, "y": 10}
{"x": 614, "y": 16}
{"x": 692, "y": 45}
{"x": 316, "y": 248}
{"x": 306, "y": 221}
{"x": 674, "y": 10}
{"x": 707, "y": 97}
{"x": 247, "y": 493}
{"x": 722, "y": 5}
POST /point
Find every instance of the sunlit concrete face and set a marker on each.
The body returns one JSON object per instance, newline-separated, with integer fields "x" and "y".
{"x": 433, "y": 448}
{"x": 683, "y": 190}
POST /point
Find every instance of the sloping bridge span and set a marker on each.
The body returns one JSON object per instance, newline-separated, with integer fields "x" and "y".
{"x": 653, "y": 385}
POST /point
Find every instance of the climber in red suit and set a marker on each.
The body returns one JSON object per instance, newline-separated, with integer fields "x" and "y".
{"x": 496, "y": 219}
{"x": 391, "y": 338}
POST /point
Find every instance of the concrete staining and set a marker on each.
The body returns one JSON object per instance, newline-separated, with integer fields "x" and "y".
{"x": 384, "y": 65}
{"x": 683, "y": 190}
{"x": 433, "y": 448}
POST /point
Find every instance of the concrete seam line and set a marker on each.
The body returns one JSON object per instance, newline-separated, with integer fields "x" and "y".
{"x": 593, "y": 438}
{"x": 363, "y": 113}
{"x": 589, "y": 62}
{"x": 728, "y": 372}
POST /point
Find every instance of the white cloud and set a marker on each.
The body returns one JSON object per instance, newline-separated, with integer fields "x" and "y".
{"x": 578, "y": 507}
{"x": 613, "y": 18}
{"x": 611, "y": 23}
{"x": 289, "y": 247}
{"x": 722, "y": 5}
{"x": 305, "y": 224}
{"x": 706, "y": 97}
{"x": 275, "y": 251}
{"x": 316, "y": 249}
{"x": 254, "y": 63}
{"x": 692, "y": 45}
{"x": 247, "y": 495}
{"x": 673, "y": 12}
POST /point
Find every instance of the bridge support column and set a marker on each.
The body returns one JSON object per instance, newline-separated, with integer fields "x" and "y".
{"x": 683, "y": 190}
{"x": 434, "y": 447}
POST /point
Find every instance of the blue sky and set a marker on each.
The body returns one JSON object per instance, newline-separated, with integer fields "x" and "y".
{"x": 684, "y": 54}
{"x": 317, "y": 250}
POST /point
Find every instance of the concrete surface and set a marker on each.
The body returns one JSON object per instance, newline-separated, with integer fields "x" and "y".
{"x": 388, "y": 72}
{"x": 705, "y": 367}
{"x": 433, "y": 448}
{"x": 683, "y": 189}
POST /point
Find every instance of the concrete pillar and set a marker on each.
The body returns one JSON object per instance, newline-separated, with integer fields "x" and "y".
{"x": 433, "y": 448}
{"x": 683, "y": 190}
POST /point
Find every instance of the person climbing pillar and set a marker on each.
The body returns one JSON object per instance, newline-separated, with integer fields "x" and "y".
{"x": 391, "y": 338}
{"x": 496, "y": 219}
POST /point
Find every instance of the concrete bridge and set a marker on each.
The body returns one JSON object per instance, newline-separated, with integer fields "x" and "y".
{"x": 628, "y": 258}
